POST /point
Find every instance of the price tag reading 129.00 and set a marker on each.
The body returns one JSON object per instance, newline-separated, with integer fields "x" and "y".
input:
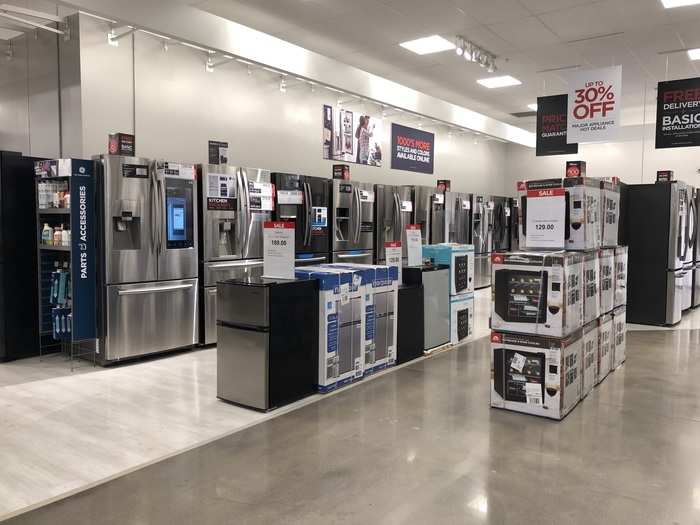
{"x": 278, "y": 253}
{"x": 545, "y": 222}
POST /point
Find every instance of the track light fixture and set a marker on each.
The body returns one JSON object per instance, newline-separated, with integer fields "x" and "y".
{"x": 283, "y": 84}
{"x": 209, "y": 67}
{"x": 471, "y": 52}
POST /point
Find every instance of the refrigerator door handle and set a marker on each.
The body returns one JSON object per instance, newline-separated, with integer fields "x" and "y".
{"x": 161, "y": 214}
{"x": 246, "y": 204}
{"x": 308, "y": 203}
{"x": 154, "y": 206}
{"x": 239, "y": 212}
{"x": 155, "y": 289}
{"x": 397, "y": 218}
{"x": 311, "y": 259}
{"x": 237, "y": 264}
{"x": 350, "y": 255}
{"x": 523, "y": 211}
{"x": 354, "y": 218}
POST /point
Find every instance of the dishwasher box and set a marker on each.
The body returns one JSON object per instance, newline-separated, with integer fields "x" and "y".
{"x": 589, "y": 362}
{"x": 574, "y": 199}
{"x": 605, "y": 345}
{"x": 620, "y": 276}
{"x": 619, "y": 334}
{"x": 591, "y": 290}
{"x": 461, "y": 318}
{"x": 381, "y": 299}
{"x": 537, "y": 292}
{"x": 460, "y": 260}
{"x": 341, "y": 325}
{"x": 606, "y": 279}
{"x": 535, "y": 374}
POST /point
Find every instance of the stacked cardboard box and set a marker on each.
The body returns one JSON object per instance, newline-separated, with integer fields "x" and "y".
{"x": 558, "y": 314}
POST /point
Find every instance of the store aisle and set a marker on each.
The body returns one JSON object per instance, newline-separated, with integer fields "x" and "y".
{"x": 421, "y": 445}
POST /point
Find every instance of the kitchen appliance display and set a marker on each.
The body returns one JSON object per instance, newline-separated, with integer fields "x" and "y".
{"x": 519, "y": 375}
{"x": 460, "y": 260}
{"x": 352, "y": 222}
{"x": 482, "y": 239}
{"x": 436, "y": 302}
{"x": 525, "y": 295}
{"x": 501, "y": 224}
{"x": 393, "y": 212}
{"x": 458, "y": 217}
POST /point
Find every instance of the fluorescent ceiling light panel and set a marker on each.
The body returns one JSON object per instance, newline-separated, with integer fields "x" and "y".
{"x": 533, "y": 107}
{"x": 668, "y": 4}
{"x": 428, "y": 44}
{"x": 499, "y": 82}
{"x": 694, "y": 54}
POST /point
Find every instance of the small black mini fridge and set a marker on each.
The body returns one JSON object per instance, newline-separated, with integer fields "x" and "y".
{"x": 267, "y": 350}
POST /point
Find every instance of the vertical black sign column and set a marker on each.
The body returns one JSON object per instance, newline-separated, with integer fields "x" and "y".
{"x": 83, "y": 274}
{"x": 551, "y": 127}
{"x": 678, "y": 114}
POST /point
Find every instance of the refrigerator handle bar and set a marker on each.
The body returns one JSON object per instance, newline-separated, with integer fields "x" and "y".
{"x": 311, "y": 259}
{"x": 309, "y": 212}
{"x": 155, "y": 289}
{"x": 397, "y": 217}
{"x": 154, "y": 206}
{"x": 246, "y": 204}
{"x": 161, "y": 214}
{"x": 237, "y": 264}
{"x": 350, "y": 255}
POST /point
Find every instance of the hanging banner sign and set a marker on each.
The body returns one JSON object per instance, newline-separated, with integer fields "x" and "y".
{"x": 412, "y": 149}
{"x": 546, "y": 222}
{"x": 594, "y": 101}
{"x": 278, "y": 249}
{"x": 414, "y": 244}
{"x": 551, "y": 127}
{"x": 678, "y": 114}
{"x": 393, "y": 255}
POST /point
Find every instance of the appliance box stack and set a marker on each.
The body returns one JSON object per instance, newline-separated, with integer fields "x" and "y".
{"x": 459, "y": 258}
{"x": 536, "y": 374}
{"x": 341, "y": 327}
{"x": 380, "y": 284}
{"x": 570, "y": 279}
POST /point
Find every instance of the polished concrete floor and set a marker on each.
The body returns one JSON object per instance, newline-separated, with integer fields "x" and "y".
{"x": 421, "y": 445}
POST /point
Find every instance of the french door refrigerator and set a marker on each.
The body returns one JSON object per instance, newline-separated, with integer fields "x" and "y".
{"x": 482, "y": 239}
{"x": 233, "y": 204}
{"x": 690, "y": 238}
{"x": 696, "y": 254}
{"x": 19, "y": 304}
{"x": 458, "y": 217}
{"x": 148, "y": 278}
{"x": 393, "y": 212}
{"x": 423, "y": 197}
{"x": 352, "y": 222}
{"x": 305, "y": 200}
{"x": 655, "y": 228}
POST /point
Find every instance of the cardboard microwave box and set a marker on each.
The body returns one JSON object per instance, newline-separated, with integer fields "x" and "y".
{"x": 381, "y": 300}
{"x": 537, "y": 292}
{"x": 535, "y": 374}
{"x": 341, "y": 325}
{"x": 606, "y": 279}
{"x": 605, "y": 346}
{"x": 590, "y": 357}
{"x": 609, "y": 213}
{"x": 619, "y": 334}
{"x": 591, "y": 289}
{"x": 620, "y": 276}
{"x": 574, "y": 200}
{"x": 460, "y": 259}
{"x": 461, "y": 318}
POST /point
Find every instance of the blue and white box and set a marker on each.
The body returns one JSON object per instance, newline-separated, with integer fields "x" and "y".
{"x": 341, "y": 325}
{"x": 381, "y": 300}
{"x": 461, "y": 318}
{"x": 460, "y": 259}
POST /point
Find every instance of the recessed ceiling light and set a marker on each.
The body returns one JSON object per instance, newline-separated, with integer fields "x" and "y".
{"x": 668, "y": 4}
{"x": 428, "y": 44}
{"x": 533, "y": 107}
{"x": 499, "y": 82}
{"x": 694, "y": 54}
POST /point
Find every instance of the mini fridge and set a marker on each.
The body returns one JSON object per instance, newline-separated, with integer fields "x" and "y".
{"x": 436, "y": 302}
{"x": 267, "y": 351}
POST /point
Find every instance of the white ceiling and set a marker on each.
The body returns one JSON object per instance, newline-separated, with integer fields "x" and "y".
{"x": 527, "y": 35}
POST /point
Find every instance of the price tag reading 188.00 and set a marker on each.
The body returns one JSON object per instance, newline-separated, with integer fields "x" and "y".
{"x": 545, "y": 222}
{"x": 278, "y": 252}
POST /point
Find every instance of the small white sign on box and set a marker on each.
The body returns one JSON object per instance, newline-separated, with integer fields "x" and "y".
{"x": 393, "y": 254}
{"x": 290, "y": 197}
{"x": 414, "y": 245}
{"x": 546, "y": 221}
{"x": 278, "y": 249}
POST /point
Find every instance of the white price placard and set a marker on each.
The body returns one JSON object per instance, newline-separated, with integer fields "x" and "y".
{"x": 290, "y": 197}
{"x": 546, "y": 222}
{"x": 278, "y": 249}
{"x": 414, "y": 245}
{"x": 393, "y": 254}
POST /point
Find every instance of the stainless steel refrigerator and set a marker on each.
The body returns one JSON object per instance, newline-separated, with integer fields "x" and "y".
{"x": 655, "y": 220}
{"x": 501, "y": 224}
{"x": 482, "y": 239}
{"x": 458, "y": 217}
{"x": 690, "y": 237}
{"x": 393, "y": 211}
{"x": 422, "y": 209}
{"x": 696, "y": 254}
{"x": 233, "y": 204}
{"x": 305, "y": 200}
{"x": 352, "y": 222}
{"x": 148, "y": 247}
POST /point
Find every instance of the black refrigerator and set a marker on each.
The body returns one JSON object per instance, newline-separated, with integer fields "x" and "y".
{"x": 19, "y": 274}
{"x": 305, "y": 200}
{"x": 654, "y": 219}
{"x": 267, "y": 349}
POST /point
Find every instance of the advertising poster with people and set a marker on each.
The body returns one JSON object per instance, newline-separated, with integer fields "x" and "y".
{"x": 350, "y": 135}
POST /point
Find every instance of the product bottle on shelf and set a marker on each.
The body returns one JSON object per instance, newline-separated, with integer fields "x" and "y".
{"x": 57, "y": 235}
{"x": 65, "y": 237}
{"x": 47, "y": 234}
